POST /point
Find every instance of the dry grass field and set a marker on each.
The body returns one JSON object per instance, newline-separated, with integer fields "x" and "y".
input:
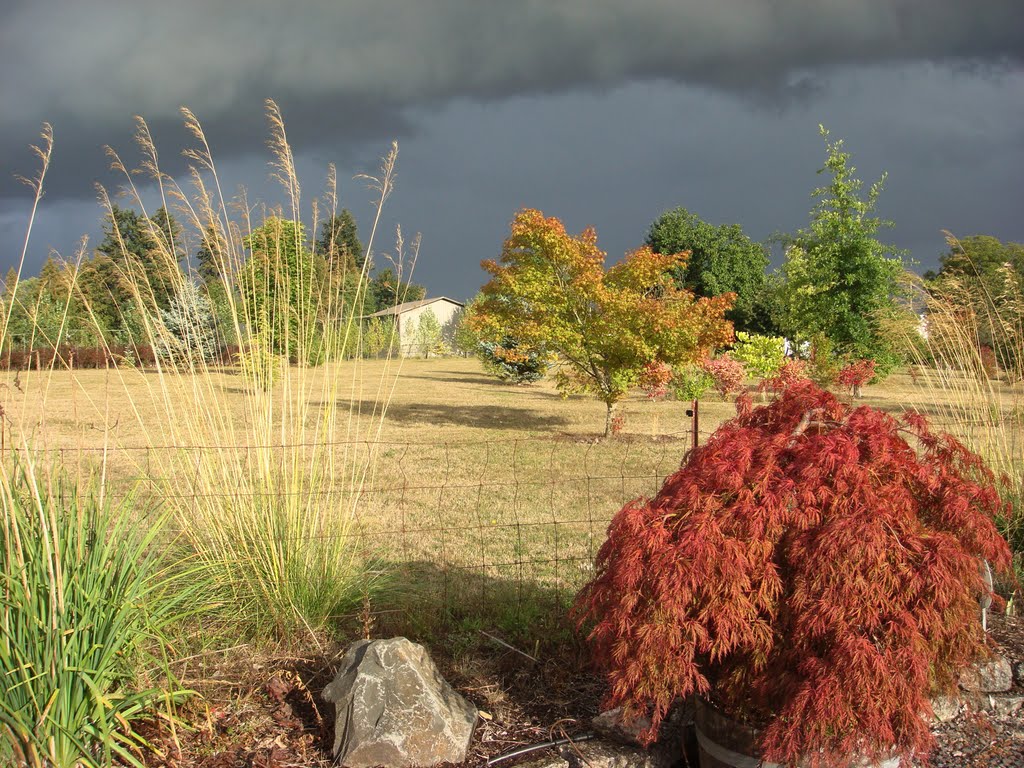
{"x": 481, "y": 493}
{"x": 437, "y": 401}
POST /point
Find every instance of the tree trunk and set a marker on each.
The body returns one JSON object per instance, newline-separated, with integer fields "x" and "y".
{"x": 608, "y": 418}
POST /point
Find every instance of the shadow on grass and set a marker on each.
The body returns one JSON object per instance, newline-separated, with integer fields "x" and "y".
{"x": 457, "y": 378}
{"x": 495, "y": 385}
{"x": 475, "y": 416}
{"x": 428, "y": 601}
{"x": 503, "y": 642}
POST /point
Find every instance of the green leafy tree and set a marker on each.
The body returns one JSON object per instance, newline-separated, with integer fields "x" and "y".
{"x": 166, "y": 232}
{"x": 722, "y": 260}
{"x": 983, "y": 279}
{"x": 279, "y": 285}
{"x": 427, "y": 334}
{"x": 553, "y": 295}
{"x": 839, "y": 278}
{"x": 145, "y": 254}
{"x": 980, "y": 256}
{"x": 344, "y": 292}
{"x": 339, "y": 243}
{"x": 212, "y": 257}
{"x": 386, "y": 290}
{"x": 378, "y": 337}
{"x": 105, "y": 292}
{"x": 46, "y": 311}
{"x": 464, "y": 338}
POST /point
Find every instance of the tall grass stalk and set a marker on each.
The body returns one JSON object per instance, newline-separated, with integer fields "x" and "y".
{"x": 85, "y": 595}
{"x": 969, "y": 357}
{"x": 267, "y": 497}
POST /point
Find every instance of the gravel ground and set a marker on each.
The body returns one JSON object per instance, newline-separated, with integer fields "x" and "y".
{"x": 977, "y": 738}
{"x": 268, "y": 714}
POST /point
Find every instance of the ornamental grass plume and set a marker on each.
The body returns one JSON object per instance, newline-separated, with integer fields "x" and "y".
{"x": 813, "y": 570}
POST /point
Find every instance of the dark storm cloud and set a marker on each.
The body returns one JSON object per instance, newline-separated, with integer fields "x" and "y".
{"x": 347, "y": 71}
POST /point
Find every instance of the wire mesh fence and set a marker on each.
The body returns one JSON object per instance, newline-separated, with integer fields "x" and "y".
{"x": 504, "y": 529}
{"x": 497, "y": 528}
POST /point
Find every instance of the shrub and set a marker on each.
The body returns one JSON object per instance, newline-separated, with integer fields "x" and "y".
{"x": 761, "y": 356}
{"x": 655, "y": 378}
{"x": 510, "y": 363}
{"x": 809, "y": 570}
{"x": 728, "y": 374}
{"x": 84, "y": 594}
{"x": 378, "y": 338}
{"x": 791, "y": 373}
{"x": 987, "y": 358}
{"x": 191, "y": 325}
{"x": 824, "y": 364}
{"x": 691, "y": 382}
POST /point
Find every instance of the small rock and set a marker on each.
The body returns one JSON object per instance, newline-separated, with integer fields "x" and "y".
{"x": 673, "y": 736}
{"x": 991, "y": 676}
{"x": 612, "y": 726}
{"x": 605, "y": 754}
{"x": 1005, "y": 706}
{"x": 1018, "y": 672}
{"x": 394, "y": 708}
{"x": 945, "y": 708}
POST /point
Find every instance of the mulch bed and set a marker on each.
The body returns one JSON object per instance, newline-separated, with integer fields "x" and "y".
{"x": 268, "y": 713}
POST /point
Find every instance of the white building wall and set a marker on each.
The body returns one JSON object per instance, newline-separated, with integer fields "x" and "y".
{"x": 447, "y": 314}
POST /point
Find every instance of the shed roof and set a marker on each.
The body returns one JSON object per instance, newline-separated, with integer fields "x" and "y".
{"x": 400, "y": 308}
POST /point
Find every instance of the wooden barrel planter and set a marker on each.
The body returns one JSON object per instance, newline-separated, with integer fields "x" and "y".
{"x": 725, "y": 743}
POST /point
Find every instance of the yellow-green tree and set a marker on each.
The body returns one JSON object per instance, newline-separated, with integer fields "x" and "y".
{"x": 552, "y": 294}
{"x": 280, "y": 287}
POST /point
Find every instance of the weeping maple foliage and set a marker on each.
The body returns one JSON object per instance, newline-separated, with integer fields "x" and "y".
{"x": 813, "y": 569}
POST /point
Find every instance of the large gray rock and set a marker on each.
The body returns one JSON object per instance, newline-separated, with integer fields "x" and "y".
{"x": 394, "y": 708}
{"x": 991, "y": 676}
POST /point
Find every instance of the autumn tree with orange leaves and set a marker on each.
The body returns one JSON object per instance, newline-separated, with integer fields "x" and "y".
{"x": 552, "y": 294}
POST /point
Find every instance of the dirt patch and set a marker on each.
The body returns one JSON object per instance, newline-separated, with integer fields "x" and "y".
{"x": 268, "y": 713}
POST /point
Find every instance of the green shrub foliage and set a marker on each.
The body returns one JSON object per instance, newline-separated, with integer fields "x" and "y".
{"x": 510, "y": 363}
{"x": 762, "y": 356}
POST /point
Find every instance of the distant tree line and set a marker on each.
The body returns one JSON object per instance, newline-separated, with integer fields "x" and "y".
{"x": 142, "y": 294}
{"x": 842, "y": 299}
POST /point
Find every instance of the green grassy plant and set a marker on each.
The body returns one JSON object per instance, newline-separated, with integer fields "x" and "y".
{"x": 85, "y": 600}
{"x": 271, "y": 502}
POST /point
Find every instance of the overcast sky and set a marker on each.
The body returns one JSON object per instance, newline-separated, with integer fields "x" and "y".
{"x": 600, "y": 112}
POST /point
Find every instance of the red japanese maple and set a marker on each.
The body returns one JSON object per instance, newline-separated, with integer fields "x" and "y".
{"x": 792, "y": 372}
{"x": 813, "y": 569}
{"x": 654, "y": 379}
{"x": 728, "y": 374}
{"x": 856, "y": 374}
